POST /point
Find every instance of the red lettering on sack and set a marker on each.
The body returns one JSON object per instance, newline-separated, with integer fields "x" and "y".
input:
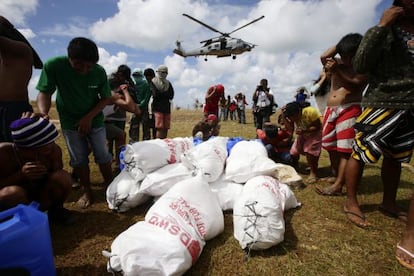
{"x": 174, "y": 230}
{"x": 153, "y": 220}
{"x": 164, "y": 224}
{"x": 219, "y": 154}
{"x": 185, "y": 238}
{"x": 173, "y": 153}
{"x": 194, "y": 248}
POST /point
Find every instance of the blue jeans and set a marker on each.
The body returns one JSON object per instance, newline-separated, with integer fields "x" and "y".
{"x": 79, "y": 146}
{"x": 279, "y": 157}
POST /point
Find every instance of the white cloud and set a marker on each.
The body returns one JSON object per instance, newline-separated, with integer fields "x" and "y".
{"x": 111, "y": 62}
{"x": 28, "y": 33}
{"x": 17, "y": 10}
{"x": 74, "y": 27}
{"x": 32, "y": 86}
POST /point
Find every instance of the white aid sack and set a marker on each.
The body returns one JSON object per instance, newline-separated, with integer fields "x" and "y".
{"x": 208, "y": 157}
{"x": 258, "y": 213}
{"x": 290, "y": 201}
{"x": 160, "y": 181}
{"x": 226, "y": 191}
{"x": 288, "y": 175}
{"x": 246, "y": 160}
{"x": 144, "y": 157}
{"x": 124, "y": 193}
{"x": 193, "y": 205}
{"x": 158, "y": 247}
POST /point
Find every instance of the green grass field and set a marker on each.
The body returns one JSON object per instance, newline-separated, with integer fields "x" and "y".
{"x": 318, "y": 240}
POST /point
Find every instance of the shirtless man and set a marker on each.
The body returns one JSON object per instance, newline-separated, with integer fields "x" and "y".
{"x": 343, "y": 107}
{"x": 16, "y": 60}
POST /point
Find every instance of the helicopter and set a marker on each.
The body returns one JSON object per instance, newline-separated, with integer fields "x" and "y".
{"x": 221, "y": 46}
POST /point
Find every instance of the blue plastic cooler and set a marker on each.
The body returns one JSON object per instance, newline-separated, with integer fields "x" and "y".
{"x": 25, "y": 240}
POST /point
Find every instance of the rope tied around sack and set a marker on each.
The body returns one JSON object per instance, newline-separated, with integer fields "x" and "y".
{"x": 109, "y": 255}
{"x": 251, "y": 224}
{"x": 118, "y": 202}
{"x": 130, "y": 164}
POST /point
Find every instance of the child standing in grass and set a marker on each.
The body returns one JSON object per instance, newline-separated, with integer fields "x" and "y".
{"x": 343, "y": 107}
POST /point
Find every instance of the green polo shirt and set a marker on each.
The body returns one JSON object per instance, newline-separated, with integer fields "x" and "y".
{"x": 76, "y": 94}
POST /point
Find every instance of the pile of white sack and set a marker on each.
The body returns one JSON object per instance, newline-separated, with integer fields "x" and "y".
{"x": 193, "y": 183}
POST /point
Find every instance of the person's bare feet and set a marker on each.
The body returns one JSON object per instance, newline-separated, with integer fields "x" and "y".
{"x": 329, "y": 191}
{"x": 329, "y": 179}
{"x": 85, "y": 200}
{"x": 394, "y": 212}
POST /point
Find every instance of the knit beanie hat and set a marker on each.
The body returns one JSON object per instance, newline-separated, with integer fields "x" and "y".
{"x": 33, "y": 132}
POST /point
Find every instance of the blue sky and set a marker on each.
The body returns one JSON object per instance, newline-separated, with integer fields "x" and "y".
{"x": 142, "y": 33}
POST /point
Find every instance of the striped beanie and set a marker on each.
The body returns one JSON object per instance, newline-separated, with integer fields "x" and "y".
{"x": 33, "y": 132}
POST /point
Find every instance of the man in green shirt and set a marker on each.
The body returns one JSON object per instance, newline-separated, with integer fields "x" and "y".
{"x": 143, "y": 95}
{"x": 82, "y": 92}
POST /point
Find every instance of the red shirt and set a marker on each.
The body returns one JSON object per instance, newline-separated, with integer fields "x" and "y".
{"x": 214, "y": 94}
{"x": 281, "y": 135}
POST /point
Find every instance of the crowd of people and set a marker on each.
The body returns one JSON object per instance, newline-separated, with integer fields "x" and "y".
{"x": 356, "y": 128}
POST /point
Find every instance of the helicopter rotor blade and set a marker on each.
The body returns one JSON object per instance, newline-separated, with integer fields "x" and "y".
{"x": 204, "y": 24}
{"x": 251, "y": 22}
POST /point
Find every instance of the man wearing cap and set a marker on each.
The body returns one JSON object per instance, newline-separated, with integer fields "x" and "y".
{"x": 162, "y": 92}
{"x": 213, "y": 96}
{"x": 143, "y": 97}
{"x": 17, "y": 58}
{"x": 32, "y": 168}
{"x": 301, "y": 96}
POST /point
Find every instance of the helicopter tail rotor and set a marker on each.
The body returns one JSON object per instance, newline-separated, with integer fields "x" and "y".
{"x": 179, "y": 50}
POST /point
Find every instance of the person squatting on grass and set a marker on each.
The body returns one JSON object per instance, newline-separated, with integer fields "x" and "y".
{"x": 277, "y": 142}
{"x": 206, "y": 128}
{"x": 82, "y": 92}
{"x": 32, "y": 168}
{"x": 386, "y": 126}
{"x": 306, "y": 124}
{"x": 343, "y": 107}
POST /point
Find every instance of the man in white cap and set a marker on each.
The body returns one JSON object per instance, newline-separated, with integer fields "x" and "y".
{"x": 162, "y": 93}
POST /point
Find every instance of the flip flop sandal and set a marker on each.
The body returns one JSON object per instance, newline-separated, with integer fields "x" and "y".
{"x": 403, "y": 261}
{"x": 362, "y": 224}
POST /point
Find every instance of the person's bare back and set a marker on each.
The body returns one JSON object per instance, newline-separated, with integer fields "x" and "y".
{"x": 16, "y": 62}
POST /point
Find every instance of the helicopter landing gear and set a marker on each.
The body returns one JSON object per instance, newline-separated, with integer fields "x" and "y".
{"x": 234, "y": 57}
